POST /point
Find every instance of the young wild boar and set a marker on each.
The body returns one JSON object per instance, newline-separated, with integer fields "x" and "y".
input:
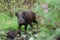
{"x": 25, "y": 18}
{"x": 11, "y": 34}
{"x": 58, "y": 38}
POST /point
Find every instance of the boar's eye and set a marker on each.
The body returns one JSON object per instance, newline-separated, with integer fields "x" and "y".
{"x": 16, "y": 14}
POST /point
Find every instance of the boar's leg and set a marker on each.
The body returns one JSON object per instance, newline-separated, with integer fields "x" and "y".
{"x": 19, "y": 30}
{"x": 31, "y": 26}
{"x": 25, "y": 28}
{"x": 36, "y": 23}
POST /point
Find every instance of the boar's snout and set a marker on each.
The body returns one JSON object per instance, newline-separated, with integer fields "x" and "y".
{"x": 21, "y": 21}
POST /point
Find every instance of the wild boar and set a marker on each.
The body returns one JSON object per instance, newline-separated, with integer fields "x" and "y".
{"x": 25, "y": 18}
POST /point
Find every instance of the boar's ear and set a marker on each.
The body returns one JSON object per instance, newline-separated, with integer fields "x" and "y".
{"x": 16, "y": 14}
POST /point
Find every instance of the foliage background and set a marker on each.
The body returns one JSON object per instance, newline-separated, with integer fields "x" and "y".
{"x": 48, "y": 12}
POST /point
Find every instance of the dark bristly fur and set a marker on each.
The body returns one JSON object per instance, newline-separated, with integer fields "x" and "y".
{"x": 25, "y": 18}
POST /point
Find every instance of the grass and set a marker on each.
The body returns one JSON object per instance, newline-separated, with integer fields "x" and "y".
{"x": 46, "y": 26}
{"x": 7, "y": 23}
